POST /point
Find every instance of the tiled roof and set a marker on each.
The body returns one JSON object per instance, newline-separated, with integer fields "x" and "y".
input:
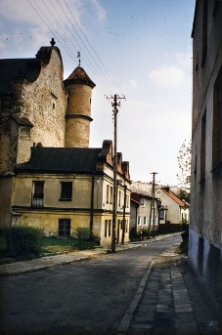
{"x": 79, "y": 76}
{"x": 135, "y": 201}
{"x": 174, "y": 197}
{"x": 135, "y": 195}
{"x": 60, "y": 160}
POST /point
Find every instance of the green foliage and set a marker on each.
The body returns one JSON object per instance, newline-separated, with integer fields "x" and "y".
{"x": 145, "y": 233}
{"x": 49, "y": 241}
{"x": 83, "y": 233}
{"x": 184, "y": 163}
{"x": 23, "y": 242}
{"x": 75, "y": 243}
{"x": 185, "y": 243}
{"x": 184, "y": 223}
{"x": 133, "y": 234}
{"x": 142, "y": 234}
{"x": 184, "y": 247}
{"x": 184, "y": 195}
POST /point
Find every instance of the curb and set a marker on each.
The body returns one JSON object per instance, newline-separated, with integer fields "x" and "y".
{"x": 126, "y": 320}
{"x": 62, "y": 259}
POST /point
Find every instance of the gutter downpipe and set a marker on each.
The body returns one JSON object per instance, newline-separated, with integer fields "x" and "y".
{"x": 92, "y": 206}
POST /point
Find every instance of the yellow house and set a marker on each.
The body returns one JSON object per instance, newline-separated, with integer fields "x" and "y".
{"x": 64, "y": 184}
{"x": 61, "y": 189}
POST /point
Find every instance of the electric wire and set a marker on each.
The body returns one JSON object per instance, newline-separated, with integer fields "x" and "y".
{"x": 133, "y": 133}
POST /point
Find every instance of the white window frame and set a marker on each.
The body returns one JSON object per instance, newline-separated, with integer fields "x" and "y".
{"x": 143, "y": 202}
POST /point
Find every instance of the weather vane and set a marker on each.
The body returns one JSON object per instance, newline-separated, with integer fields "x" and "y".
{"x": 78, "y": 56}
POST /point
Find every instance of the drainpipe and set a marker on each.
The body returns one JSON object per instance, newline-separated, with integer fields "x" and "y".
{"x": 92, "y": 205}
{"x": 124, "y": 215}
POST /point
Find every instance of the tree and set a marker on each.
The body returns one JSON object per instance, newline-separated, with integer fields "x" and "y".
{"x": 184, "y": 163}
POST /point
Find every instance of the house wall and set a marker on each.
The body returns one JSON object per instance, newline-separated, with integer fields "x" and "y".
{"x": 145, "y": 212}
{"x": 6, "y": 184}
{"x": 133, "y": 214}
{"x": 205, "y": 246}
{"x": 78, "y": 128}
{"x": 78, "y": 209}
{"x": 41, "y": 103}
{"x": 173, "y": 209}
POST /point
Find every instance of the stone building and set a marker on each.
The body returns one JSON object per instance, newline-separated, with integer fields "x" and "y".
{"x": 49, "y": 177}
{"x": 205, "y": 246}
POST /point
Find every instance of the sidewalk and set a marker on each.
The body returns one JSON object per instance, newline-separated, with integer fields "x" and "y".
{"x": 51, "y": 261}
{"x": 170, "y": 302}
{"x": 75, "y": 256}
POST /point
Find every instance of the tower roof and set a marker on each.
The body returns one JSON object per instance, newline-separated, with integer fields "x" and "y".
{"x": 79, "y": 76}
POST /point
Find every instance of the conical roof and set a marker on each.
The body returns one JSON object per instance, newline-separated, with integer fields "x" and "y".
{"x": 79, "y": 76}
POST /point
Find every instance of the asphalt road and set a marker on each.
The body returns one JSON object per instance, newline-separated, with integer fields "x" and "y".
{"x": 86, "y": 297}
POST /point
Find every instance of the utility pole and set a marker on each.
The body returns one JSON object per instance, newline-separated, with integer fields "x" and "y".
{"x": 152, "y": 212}
{"x": 115, "y": 104}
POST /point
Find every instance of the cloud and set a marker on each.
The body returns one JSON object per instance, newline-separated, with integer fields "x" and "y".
{"x": 133, "y": 83}
{"x": 168, "y": 76}
{"x": 184, "y": 59}
{"x": 101, "y": 13}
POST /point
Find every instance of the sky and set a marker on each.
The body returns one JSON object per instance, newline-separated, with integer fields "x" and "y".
{"x": 140, "y": 49}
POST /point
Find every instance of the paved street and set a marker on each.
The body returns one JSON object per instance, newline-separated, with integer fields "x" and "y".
{"x": 173, "y": 303}
{"x": 86, "y": 297}
{"x": 112, "y": 294}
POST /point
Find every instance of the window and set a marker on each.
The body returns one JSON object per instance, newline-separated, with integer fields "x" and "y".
{"x": 106, "y": 227}
{"x": 38, "y": 194}
{"x": 107, "y": 194}
{"x": 53, "y": 108}
{"x": 111, "y": 194}
{"x": 217, "y": 121}
{"x": 107, "y": 231}
{"x": 145, "y": 221}
{"x": 127, "y": 201}
{"x": 161, "y": 214}
{"x": 120, "y": 224}
{"x": 203, "y": 147}
{"x": 126, "y": 226}
{"x": 142, "y": 202}
{"x": 119, "y": 198}
{"x": 139, "y": 221}
{"x": 66, "y": 191}
{"x": 64, "y": 227}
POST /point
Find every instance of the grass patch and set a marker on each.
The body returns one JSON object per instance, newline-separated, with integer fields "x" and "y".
{"x": 50, "y": 246}
{"x": 184, "y": 247}
{"x": 57, "y": 245}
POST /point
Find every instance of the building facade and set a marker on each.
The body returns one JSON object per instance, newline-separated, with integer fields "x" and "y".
{"x": 173, "y": 210}
{"x": 144, "y": 212}
{"x": 205, "y": 237}
{"x": 49, "y": 177}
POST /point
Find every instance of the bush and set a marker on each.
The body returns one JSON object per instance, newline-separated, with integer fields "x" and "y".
{"x": 83, "y": 234}
{"x": 145, "y": 233}
{"x": 133, "y": 234}
{"x": 23, "y": 242}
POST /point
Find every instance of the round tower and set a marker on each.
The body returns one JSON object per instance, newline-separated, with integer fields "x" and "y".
{"x": 78, "y": 114}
